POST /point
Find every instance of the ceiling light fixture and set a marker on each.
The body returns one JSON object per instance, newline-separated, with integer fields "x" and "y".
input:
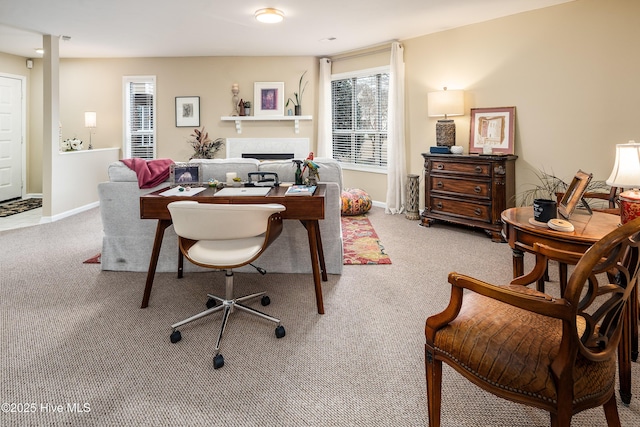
{"x": 39, "y": 50}
{"x": 269, "y": 15}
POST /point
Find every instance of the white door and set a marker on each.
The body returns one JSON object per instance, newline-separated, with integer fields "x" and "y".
{"x": 10, "y": 138}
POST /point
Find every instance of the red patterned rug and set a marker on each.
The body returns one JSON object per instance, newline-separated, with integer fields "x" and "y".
{"x": 93, "y": 260}
{"x": 361, "y": 243}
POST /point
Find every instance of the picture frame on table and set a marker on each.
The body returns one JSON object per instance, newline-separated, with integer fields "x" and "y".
{"x": 574, "y": 194}
{"x": 268, "y": 98}
{"x": 185, "y": 174}
{"x": 492, "y": 130}
{"x": 187, "y": 111}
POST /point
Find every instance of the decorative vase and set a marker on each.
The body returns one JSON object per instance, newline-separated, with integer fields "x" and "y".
{"x": 298, "y": 110}
{"x": 413, "y": 195}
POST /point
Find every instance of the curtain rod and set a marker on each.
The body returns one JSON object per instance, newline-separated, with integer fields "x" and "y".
{"x": 367, "y": 53}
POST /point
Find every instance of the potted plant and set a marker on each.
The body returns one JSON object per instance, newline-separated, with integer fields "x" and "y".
{"x": 203, "y": 146}
{"x": 247, "y": 108}
{"x": 297, "y": 96}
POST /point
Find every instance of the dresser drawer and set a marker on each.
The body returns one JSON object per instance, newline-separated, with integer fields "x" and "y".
{"x": 461, "y": 209}
{"x": 461, "y": 187}
{"x": 477, "y": 169}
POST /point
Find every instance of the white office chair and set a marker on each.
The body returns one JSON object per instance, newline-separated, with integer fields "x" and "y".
{"x": 225, "y": 236}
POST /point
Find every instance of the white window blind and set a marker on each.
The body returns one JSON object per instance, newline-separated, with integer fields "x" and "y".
{"x": 140, "y": 129}
{"x": 359, "y": 111}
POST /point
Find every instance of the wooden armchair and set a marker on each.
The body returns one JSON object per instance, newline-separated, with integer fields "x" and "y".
{"x": 557, "y": 354}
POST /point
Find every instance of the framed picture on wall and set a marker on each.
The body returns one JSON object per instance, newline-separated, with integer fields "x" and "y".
{"x": 492, "y": 130}
{"x": 187, "y": 111}
{"x": 268, "y": 99}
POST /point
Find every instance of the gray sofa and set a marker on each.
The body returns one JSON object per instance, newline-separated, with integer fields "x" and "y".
{"x": 128, "y": 240}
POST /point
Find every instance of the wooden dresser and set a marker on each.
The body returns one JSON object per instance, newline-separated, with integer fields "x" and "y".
{"x": 469, "y": 189}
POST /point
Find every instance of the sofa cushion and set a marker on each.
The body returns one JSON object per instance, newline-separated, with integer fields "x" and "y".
{"x": 218, "y": 168}
{"x": 355, "y": 201}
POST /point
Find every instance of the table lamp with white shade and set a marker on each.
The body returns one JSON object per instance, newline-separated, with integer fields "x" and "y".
{"x": 626, "y": 174}
{"x": 445, "y": 103}
{"x": 90, "y": 122}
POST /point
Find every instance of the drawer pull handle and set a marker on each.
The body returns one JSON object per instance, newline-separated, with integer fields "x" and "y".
{"x": 439, "y": 184}
{"x": 477, "y": 189}
{"x": 478, "y": 211}
{"x": 439, "y": 166}
{"x": 439, "y": 205}
{"x": 479, "y": 169}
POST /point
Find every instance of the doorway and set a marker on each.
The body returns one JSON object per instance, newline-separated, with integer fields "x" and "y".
{"x": 12, "y": 152}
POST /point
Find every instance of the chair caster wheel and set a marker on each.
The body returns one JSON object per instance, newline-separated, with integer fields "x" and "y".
{"x": 265, "y": 301}
{"x": 218, "y": 361}
{"x": 280, "y": 332}
{"x": 175, "y": 337}
{"x": 211, "y": 303}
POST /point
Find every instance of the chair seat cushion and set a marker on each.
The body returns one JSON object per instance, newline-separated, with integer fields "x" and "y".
{"x": 355, "y": 201}
{"x": 512, "y": 349}
{"x": 225, "y": 253}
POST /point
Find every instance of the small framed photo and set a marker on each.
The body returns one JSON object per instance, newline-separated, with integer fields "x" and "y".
{"x": 492, "y": 130}
{"x": 574, "y": 193}
{"x": 185, "y": 174}
{"x": 187, "y": 111}
{"x": 268, "y": 99}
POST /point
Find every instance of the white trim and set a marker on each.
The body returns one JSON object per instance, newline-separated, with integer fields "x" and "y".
{"x": 48, "y": 219}
{"x": 23, "y": 81}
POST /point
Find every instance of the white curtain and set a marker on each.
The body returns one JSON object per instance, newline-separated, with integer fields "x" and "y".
{"x": 396, "y": 156}
{"x": 325, "y": 145}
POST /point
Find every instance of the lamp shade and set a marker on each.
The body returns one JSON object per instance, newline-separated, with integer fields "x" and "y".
{"x": 90, "y": 119}
{"x": 445, "y": 103}
{"x": 626, "y": 169}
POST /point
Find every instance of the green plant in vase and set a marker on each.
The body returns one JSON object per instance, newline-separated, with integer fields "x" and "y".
{"x": 297, "y": 96}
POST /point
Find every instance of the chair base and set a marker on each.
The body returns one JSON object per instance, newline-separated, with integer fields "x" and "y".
{"x": 227, "y": 306}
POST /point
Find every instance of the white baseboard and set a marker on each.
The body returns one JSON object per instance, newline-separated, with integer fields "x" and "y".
{"x": 46, "y": 219}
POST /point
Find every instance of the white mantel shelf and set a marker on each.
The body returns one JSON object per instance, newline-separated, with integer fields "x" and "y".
{"x": 240, "y": 119}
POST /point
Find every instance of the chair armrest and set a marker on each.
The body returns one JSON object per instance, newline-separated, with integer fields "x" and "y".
{"x": 515, "y": 295}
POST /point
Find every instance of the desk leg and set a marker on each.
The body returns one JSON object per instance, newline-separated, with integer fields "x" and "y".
{"x": 313, "y": 233}
{"x": 153, "y": 263}
{"x": 323, "y": 268}
{"x": 624, "y": 357}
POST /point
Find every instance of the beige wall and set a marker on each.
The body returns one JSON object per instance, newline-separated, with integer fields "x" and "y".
{"x": 570, "y": 71}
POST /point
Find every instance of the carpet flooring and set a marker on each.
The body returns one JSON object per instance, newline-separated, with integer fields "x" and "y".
{"x": 19, "y": 206}
{"x": 73, "y": 336}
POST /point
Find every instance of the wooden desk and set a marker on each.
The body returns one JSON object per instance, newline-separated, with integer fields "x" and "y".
{"x": 521, "y": 235}
{"x": 308, "y": 210}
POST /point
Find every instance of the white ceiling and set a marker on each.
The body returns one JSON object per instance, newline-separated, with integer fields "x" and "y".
{"x": 161, "y": 28}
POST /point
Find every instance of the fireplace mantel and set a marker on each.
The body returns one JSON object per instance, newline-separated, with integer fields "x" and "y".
{"x": 240, "y": 119}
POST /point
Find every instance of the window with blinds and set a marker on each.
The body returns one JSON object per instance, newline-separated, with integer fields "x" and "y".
{"x": 359, "y": 115}
{"x": 140, "y": 113}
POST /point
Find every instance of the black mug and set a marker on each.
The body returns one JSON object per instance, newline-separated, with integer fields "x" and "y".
{"x": 544, "y": 210}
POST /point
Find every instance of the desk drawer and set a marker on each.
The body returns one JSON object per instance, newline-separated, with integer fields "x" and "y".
{"x": 464, "y": 187}
{"x": 477, "y": 168}
{"x": 461, "y": 209}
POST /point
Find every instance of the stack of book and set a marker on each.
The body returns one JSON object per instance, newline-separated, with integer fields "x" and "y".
{"x": 300, "y": 190}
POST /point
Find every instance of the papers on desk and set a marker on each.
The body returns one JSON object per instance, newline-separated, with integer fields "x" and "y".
{"x": 176, "y": 191}
{"x": 242, "y": 191}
